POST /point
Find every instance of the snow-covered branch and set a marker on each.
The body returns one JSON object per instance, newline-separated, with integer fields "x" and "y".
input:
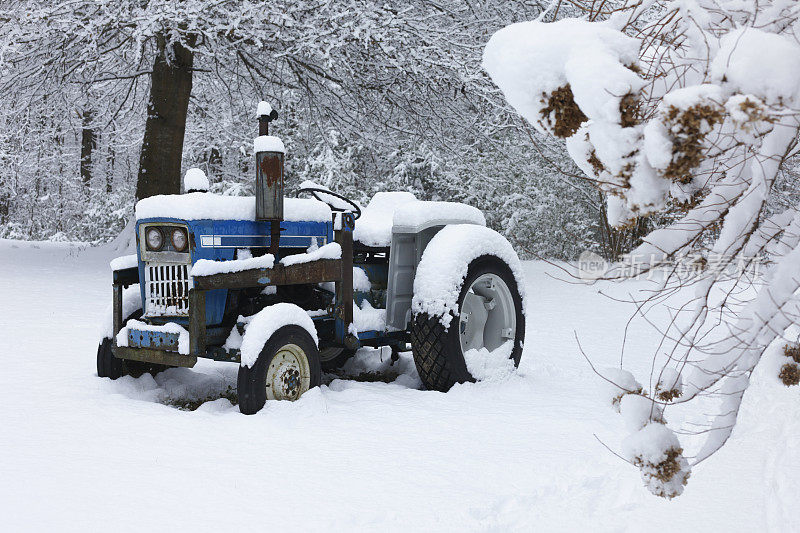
{"x": 690, "y": 110}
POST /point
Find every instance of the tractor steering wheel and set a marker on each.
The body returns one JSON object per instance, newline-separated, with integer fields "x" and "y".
{"x": 320, "y": 195}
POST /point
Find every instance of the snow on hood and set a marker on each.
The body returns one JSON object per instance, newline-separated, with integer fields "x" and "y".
{"x": 388, "y": 210}
{"x": 374, "y": 228}
{"x": 429, "y": 213}
{"x": 205, "y": 206}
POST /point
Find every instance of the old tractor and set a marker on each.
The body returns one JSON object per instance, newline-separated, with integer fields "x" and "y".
{"x": 290, "y": 287}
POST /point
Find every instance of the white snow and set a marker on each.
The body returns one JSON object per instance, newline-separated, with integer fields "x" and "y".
{"x": 637, "y": 411}
{"x": 195, "y": 180}
{"x": 169, "y": 327}
{"x": 361, "y": 281}
{"x": 204, "y": 206}
{"x": 367, "y": 318}
{"x": 495, "y": 365}
{"x": 131, "y": 301}
{"x": 269, "y": 289}
{"x": 419, "y": 214}
{"x": 374, "y": 228}
{"x": 334, "y": 201}
{"x": 669, "y": 381}
{"x": 760, "y": 63}
{"x": 263, "y": 108}
{"x": 615, "y": 383}
{"x": 580, "y": 149}
{"x": 686, "y": 97}
{"x": 310, "y": 184}
{"x": 371, "y": 455}
{"x": 528, "y": 59}
{"x": 443, "y": 267}
{"x": 332, "y": 250}
{"x": 268, "y": 143}
{"x": 234, "y": 340}
{"x": 124, "y": 261}
{"x": 650, "y": 443}
{"x": 207, "y": 267}
{"x": 657, "y": 145}
{"x": 263, "y": 324}
{"x": 649, "y": 448}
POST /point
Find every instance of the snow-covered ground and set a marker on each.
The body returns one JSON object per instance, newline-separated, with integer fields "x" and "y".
{"x": 83, "y": 453}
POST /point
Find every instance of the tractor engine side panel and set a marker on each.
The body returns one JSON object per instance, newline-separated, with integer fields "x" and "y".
{"x": 404, "y": 256}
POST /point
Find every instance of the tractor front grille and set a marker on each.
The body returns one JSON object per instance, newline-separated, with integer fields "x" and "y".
{"x": 167, "y": 289}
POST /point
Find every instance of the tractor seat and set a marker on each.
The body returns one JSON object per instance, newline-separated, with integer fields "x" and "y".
{"x": 374, "y": 227}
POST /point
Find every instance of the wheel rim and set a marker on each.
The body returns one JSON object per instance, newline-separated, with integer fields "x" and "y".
{"x": 487, "y": 317}
{"x": 289, "y": 374}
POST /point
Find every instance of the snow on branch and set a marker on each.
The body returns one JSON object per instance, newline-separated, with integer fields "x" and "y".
{"x": 688, "y": 110}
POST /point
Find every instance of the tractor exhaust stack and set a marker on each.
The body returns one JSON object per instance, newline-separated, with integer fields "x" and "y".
{"x": 269, "y": 152}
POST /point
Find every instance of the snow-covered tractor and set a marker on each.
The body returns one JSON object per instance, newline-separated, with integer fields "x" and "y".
{"x": 289, "y": 287}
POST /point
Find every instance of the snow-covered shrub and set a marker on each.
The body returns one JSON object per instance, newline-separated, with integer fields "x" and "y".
{"x": 692, "y": 116}
{"x": 790, "y": 374}
{"x": 670, "y": 385}
{"x": 659, "y": 456}
{"x": 651, "y": 445}
{"x": 792, "y": 351}
{"x": 616, "y": 384}
{"x": 678, "y": 135}
{"x": 561, "y": 115}
{"x": 638, "y": 410}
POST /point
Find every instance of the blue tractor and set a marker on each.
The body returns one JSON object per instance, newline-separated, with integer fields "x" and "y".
{"x": 290, "y": 287}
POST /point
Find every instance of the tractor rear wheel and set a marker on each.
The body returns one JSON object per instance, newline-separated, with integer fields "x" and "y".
{"x": 489, "y": 315}
{"x": 287, "y": 367}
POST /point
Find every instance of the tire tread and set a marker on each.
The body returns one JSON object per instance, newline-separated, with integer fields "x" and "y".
{"x": 429, "y": 347}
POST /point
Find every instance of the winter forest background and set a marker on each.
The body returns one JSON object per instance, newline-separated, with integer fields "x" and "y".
{"x": 373, "y": 96}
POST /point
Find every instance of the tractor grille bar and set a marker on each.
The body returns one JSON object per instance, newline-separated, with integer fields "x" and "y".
{"x": 167, "y": 289}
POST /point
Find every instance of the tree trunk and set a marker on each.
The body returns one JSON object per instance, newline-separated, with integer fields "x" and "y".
{"x": 162, "y": 148}
{"x": 88, "y": 145}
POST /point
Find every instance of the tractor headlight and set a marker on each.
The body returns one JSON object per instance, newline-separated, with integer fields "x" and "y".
{"x": 179, "y": 240}
{"x": 155, "y": 239}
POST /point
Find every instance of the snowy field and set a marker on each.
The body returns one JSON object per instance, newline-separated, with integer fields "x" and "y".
{"x": 81, "y": 453}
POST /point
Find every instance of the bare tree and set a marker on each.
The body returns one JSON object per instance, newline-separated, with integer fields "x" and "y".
{"x": 398, "y": 85}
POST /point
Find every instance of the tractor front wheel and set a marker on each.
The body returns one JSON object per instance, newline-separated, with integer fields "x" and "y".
{"x": 108, "y": 366}
{"x": 287, "y": 367}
